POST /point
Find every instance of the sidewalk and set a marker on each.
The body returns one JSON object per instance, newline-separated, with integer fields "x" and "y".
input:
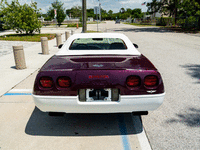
{"x": 10, "y": 77}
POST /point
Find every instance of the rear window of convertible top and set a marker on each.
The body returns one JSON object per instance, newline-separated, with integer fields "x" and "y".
{"x": 98, "y": 44}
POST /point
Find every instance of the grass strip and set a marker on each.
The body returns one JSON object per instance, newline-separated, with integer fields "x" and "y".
{"x": 91, "y": 31}
{"x": 26, "y": 37}
{"x": 172, "y": 28}
{"x": 141, "y": 25}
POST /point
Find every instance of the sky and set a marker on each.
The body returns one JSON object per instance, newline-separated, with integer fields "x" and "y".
{"x": 107, "y": 5}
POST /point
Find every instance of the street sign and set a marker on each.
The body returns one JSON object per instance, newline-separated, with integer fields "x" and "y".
{"x": 96, "y": 10}
{"x": 55, "y": 12}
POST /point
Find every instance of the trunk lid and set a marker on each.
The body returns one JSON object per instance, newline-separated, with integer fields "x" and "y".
{"x": 61, "y": 63}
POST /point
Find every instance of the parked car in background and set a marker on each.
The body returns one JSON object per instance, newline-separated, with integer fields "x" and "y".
{"x": 117, "y": 21}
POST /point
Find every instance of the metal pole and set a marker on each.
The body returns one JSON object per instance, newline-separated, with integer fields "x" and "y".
{"x": 84, "y": 29}
{"x": 97, "y": 22}
{"x": 99, "y": 11}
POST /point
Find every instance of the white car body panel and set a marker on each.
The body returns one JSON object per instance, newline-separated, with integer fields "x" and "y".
{"x": 71, "y": 104}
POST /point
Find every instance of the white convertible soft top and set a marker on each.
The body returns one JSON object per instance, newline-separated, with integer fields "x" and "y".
{"x": 131, "y": 50}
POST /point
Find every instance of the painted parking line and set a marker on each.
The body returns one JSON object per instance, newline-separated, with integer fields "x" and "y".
{"x": 143, "y": 140}
{"x": 123, "y": 130}
{"x": 13, "y": 94}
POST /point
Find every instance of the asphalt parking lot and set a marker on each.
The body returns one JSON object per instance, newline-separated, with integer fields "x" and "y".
{"x": 23, "y": 126}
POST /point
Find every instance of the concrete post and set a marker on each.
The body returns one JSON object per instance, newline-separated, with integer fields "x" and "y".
{"x": 44, "y": 44}
{"x": 19, "y": 57}
{"x": 72, "y": 32}
{"x": 58, "y": 39}
{"x": 67, "y": 35}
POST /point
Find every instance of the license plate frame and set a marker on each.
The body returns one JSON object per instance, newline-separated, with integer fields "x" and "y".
{"x": 97, "y": 95}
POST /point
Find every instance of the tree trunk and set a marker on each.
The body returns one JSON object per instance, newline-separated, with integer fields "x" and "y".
{"x": 175, "y": 16}
{"x": 175, "y": 11}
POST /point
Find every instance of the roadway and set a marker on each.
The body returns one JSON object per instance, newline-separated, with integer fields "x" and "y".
{"x": 176, "y": 124}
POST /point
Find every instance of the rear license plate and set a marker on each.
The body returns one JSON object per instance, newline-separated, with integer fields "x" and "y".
{"x": 98, "y": 95}
{"x": 103, "y": 95}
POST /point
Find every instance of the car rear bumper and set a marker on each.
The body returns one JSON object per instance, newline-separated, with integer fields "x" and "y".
{"x": 71, "y": 104}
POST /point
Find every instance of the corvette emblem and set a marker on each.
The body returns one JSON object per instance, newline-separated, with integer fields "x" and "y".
{"x": 151, "y": 91}
{"x": 98, "y": 65}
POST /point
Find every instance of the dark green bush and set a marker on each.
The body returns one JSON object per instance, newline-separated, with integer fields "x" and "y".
{"x": 145, "y": 22}
{"x": 188, "y": 23}
{"x": 163, "y": 21}
{"x": 1, "y": 26}
{"x": 74, "y": 25}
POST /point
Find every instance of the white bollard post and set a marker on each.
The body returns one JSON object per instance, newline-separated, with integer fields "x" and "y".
{"x": 58, "y": 39}
{"x": 72, "y": 32}
{"x": 19, "y": 57}
{"x": 67, "y": 35}
{"x": 44, "y": 44}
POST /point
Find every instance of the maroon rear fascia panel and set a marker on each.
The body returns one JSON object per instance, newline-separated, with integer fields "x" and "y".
{"x": 105, "y": 71}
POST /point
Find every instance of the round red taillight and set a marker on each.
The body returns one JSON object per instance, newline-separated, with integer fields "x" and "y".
{"x": 151, "y": 81}
{"x": 46, "y": 82}
{"x": 133, "y": 81}
{"x": 64, "y": 82}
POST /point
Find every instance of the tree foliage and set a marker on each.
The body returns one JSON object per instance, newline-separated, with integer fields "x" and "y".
{"x": 60, "y": 12}
{"x": 122, "y": 14}
{"x": 184, "y": 11}
{"x": 137, "y": 13}
{"x": 110, "y": 14}
{"x": 90, "y": 13}
{"x": 122, "y": 10}
{"x": 74, "y": 12}
{"x": 22, "y": 18}
{"x": 154, "y": 6}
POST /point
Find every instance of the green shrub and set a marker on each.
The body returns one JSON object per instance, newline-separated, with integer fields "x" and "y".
{"x": 74, "y": 25}
{"x": 21, "y": 18}
{"x": 26, "y": 37}
{"x": 1, "y": 27}
{"x": 145, "y": 22}
{"x": 163, "y": 21}
{"x": 188, "y": 23}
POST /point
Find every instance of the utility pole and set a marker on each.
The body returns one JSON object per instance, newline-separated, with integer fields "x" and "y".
{"x": 99, "y": 11}
{"x": 84, "y": 29}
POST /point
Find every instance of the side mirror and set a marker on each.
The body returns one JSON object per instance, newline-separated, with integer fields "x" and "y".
{"x": 136, "y": 46}
{"x": 60, "y": 46}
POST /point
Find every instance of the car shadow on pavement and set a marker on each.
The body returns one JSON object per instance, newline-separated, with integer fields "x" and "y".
{"x": 143, "y": 29}
{"x": 193, "y": 70}
{"x": 189, "y": 118}
{"x": 13, "y": 67}
{"x": 42, "y": 124}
